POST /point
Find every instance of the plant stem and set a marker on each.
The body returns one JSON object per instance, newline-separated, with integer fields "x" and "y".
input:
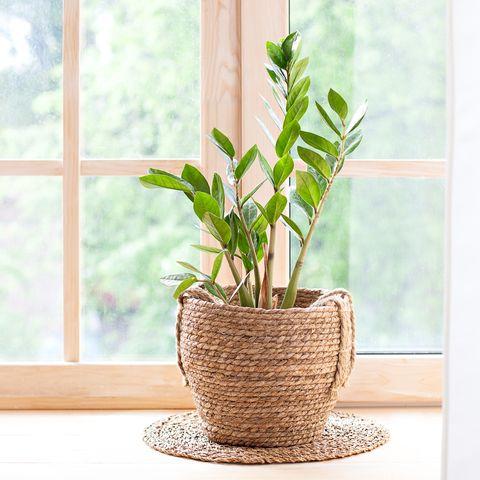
{"x": 246, "y": 231}
{"x": 245, "y": 299}
{"x": 291, "y": 292}
{"x": 270, "y": 264}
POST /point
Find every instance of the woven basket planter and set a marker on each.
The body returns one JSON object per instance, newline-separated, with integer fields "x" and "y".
{"x": 266, "y": 378}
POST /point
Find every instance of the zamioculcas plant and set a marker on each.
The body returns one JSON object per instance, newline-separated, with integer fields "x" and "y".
{"x": 244, "y": 228}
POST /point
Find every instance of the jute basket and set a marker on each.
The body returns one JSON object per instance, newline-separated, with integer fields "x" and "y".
{"x": 265, "y": 378}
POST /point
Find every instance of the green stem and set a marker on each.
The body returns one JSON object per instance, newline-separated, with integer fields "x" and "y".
{"x": 245, "y": 299}
{"x": 246, "y": 231}
{"x": 270, "y": 264}
{"x": 291, "y": 292}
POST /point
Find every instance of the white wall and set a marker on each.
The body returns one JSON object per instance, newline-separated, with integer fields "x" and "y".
{"x": 462, "y": 421}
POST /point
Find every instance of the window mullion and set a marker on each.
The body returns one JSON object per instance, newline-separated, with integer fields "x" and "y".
{"x": 71, "y": 181}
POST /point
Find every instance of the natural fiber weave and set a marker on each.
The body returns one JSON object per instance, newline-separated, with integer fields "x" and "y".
{"x": 344, "y": 435}
{"x": 265, "y": 378}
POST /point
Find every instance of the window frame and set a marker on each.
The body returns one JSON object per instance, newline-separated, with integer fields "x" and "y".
{"x": 233, "y": 34}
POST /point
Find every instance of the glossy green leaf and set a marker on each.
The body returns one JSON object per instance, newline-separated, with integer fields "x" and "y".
{"x": 297, "y": 201}
{"x": 218, "y": 228}
{"x": 327, "y": 119}
{"x": 222, "y": 142}
{"x": 250, "y": 194}
{"x": 271, "y": 112}
{"x": 296, "y": 111}
{"x": 206, "y": 248}
{"x": 166, "y": 181}
{"x": 246, "y": 162}
{"x": 218, "y": 193}
{"x": 276, "y": 55}
{"x": 217, "y": 263}
{"x": 287, "y": 45}
{"x": 287, "y": 139}
{"x": 338, "y": 104}
{"x": 188, "y": 282}
{"x": 298, "y": 91}
{"x": 233, "y": 221}
{"x": 293, "y": 227}
{"x": 229, "y": 192}
{"x": 174, "y": 279}
{"x": 272, "y": 74}
{"x": 297, "y": 71}
{"x": 315, "y": 160}
{"x": 352, "y": 142}
{"x": 282, "y": 170}
{"x": 307, "y": 188}
{"x": 260, "y": 224}
{"x": 266, "y": 131}
{"x": 320, "y": 143}
{"x": 189, "y": 266}
{"x": 250, "y": 213}
{"x": 357, "y": 117}
{"x": 194, "y": 177}
{"x": 281, "y": 102}
{"x": 265, "y": 166}
{"x": 204, "y": 203}
{"x": 275, "y": 207}
{"x": 321, "y": 180}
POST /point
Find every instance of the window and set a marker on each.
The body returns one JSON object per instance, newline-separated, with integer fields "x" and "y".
{"x": 95, "y": 92}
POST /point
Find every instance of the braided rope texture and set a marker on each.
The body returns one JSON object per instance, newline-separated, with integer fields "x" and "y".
{"x": 182, "y": 435}
{"x": 265, "y": 378}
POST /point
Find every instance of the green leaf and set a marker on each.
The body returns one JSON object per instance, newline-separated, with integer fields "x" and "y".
{"x": 260, "y": 224}
{"x": 287, "y": 139}
{"x": 315, "y": 160}
{"x": 207, "y": 248}
{"x": 298, "y": 91}
{"x": 320, "y": 143}
{"x": 276, "y": 55}
{"x": 166, "y": 181}
{"x": 194, "y": 177}
{"x": 267, "y": 169}
{"x": 189, "y": 266}
{"x": 210, "y": 288}
{"x": 357, "y": 117}
{"x": 296, "y": 48}
{"x": 282, "y": 170}
{"x": 297, "y": 201}
{"x": 308, "y": 188}
{"x": 327, "y": 119}
{"x": 188, "y": 282}
{"x": 231, "y": 167}
{"x": 293, "y": 227}
{"x": 229, "y": 192}
{"x": 338, "y": 104}
{"x": 218, "y": 192}
{"x": 321, "y": 181}
{"x": 266, "y": 131}
{"x": 272, "y": 74}
{"x": 297, "y": 71}
{"x": 174, "y": 279}
{"x": 204, "y": 203}
{"x": 271, "y": 112}
{"x": 233, "y": 221}
{"x": 217, "y": 263}
{"x": 222, "y": 142}
{"x": 296, "y": 111}
{"x": 275, "y": 207}
{"x": 287, "y": 45}
{"x": 353, "y": 142}
{"x": 250, "y": 213}
{"x": 246, "y": 162}
{"x": 218, "y": 228}
{"x": 249, "y": 195}
{"x": 280, "y": 100}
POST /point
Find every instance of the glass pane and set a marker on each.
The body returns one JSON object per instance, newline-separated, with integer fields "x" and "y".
{"x": 140, "y": 77}
{"x": 31, "y": 269}
{"x": 382, "y": 239}
{"x": 131, "y": 237}
{"x": 393, "y": 54}
{"x": 31, "y": 79}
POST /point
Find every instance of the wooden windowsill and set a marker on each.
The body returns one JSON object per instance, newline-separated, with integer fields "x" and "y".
{"x": 108, "y": 444}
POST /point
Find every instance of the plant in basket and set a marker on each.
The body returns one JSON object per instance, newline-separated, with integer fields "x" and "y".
{"x": 265, "y": 362}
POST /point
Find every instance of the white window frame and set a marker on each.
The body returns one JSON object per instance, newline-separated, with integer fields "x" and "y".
{"x": 233, "y": 35}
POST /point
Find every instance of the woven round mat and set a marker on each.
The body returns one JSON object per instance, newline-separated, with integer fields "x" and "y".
{"x": 182, "y": 435}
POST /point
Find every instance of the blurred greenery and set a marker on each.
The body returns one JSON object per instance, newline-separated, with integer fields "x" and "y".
{"x": 140, "y": 97}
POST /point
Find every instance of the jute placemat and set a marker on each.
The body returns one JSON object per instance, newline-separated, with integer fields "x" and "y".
{"x": 182, "y": 435}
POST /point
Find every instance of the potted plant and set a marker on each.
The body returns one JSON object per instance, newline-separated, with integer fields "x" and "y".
{"x": 265, "y": 362}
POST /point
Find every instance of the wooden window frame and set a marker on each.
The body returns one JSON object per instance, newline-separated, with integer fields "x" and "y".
{"x": 233, "y": 33}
